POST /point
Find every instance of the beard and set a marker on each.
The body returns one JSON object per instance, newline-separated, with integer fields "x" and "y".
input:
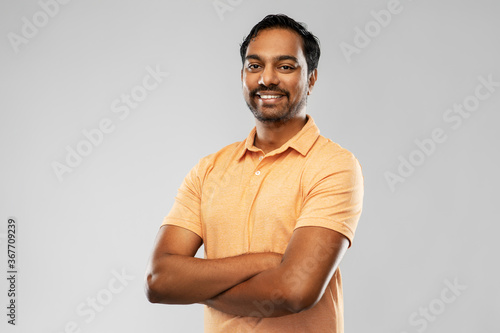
{"x": 273, "y": 114}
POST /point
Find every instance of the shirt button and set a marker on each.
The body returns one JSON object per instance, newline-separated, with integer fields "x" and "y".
{"x": 260, "y": 158}
{"x": 257, "y": 173}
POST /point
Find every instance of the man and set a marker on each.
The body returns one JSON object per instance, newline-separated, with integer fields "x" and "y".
{"x": 275, "y": 212}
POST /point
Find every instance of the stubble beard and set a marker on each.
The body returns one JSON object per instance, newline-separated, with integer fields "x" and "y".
{"x": 276, "y": 117}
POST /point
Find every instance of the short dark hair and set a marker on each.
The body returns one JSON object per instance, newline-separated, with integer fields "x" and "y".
{"x": 310, "y": 42}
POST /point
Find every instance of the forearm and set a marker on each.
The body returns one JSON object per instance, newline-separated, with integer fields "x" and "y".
{"x": 264, "y": 295}
{"x": 297, "y": 284}
{"x": 178, "y": 279}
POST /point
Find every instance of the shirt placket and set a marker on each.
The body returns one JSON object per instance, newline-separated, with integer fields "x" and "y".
{"x": 255, "y": 183}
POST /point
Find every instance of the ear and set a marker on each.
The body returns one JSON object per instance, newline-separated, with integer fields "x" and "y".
{"x": 312, "y": 80}
{"x": 242, "y": 75}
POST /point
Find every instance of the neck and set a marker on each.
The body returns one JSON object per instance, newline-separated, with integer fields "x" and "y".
{"x": 271, "y": 136}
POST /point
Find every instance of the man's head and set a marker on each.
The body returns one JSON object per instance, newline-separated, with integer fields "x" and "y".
{"x": 310, "y": 43}
{"x": 280, "y": 58}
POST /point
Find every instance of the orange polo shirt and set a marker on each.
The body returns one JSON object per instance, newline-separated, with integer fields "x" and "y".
{"x": 240, "y": 200}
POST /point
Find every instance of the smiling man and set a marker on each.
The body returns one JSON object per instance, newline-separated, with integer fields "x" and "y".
{"x": 275, "y": 212}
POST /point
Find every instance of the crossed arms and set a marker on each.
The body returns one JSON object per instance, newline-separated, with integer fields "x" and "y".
{"x": 240, "y": 285}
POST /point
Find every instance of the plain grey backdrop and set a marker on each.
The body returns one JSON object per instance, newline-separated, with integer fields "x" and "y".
{"x": 105, "y": 106}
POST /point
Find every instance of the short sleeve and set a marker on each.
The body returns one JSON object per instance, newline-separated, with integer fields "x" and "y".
{"x": 334, "y": 196}
{"x": 186, "y": 209}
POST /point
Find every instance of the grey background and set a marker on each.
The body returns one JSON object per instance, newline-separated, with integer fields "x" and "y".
{"x": 439, "y": 225}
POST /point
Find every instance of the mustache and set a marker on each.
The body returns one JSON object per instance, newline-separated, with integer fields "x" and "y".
{"x": 271, "y": 87}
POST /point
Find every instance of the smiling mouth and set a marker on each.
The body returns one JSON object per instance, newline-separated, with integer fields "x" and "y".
{"x": 269, "y": 97}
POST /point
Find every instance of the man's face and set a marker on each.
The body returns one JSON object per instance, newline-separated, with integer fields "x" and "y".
{"x": 274, "y": 76}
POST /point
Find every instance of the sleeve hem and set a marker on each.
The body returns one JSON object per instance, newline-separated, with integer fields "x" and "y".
{"x": 340, "y": 227}
{"x": 191, "y": 226}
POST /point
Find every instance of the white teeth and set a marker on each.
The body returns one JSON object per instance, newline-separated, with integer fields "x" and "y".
{"x": 269, "y": 96}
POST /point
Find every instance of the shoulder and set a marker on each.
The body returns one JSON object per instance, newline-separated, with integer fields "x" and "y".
{"x": 228, "y": 152}
{"x": 220, "y": 158}
{"x": 332, "y": 165}
{"x": 326, "y": 154}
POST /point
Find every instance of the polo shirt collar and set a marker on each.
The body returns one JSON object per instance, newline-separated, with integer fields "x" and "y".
{"x": 301, "y": 142}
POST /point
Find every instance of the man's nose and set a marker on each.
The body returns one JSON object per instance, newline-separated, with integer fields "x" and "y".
{"x": 269, "y": 77}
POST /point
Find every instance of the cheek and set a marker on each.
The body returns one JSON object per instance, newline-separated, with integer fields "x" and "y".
{"x": 247, "y": 84}
{"x": 244, "y": 85}
{"x": 297, "y": 88}
{"x": 246, "y": 91}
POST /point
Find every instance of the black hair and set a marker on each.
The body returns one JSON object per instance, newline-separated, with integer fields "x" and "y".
{"x": 310, "y": 42}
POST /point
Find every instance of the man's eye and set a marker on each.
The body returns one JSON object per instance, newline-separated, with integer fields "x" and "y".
{"x": 253, "y": 66}
{"x": 286, "y": 67}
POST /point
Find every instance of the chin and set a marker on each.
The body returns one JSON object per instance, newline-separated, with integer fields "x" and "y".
{"x": 271, "y": 117}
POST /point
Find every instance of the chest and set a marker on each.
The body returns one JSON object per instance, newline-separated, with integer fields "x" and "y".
{"x": 251, "y": 206}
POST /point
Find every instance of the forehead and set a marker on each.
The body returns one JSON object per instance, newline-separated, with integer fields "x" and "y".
{"x": 273, "y": 42}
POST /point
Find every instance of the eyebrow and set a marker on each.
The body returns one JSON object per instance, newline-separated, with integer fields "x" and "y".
{"x": 277, "y": 58}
